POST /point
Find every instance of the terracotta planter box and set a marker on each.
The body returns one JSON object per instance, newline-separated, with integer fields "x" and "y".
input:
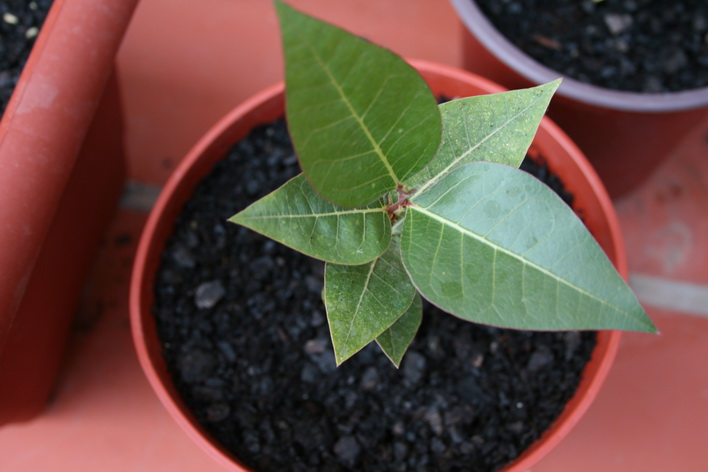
{"x": 561, "y": 154}
{"x": 626, "y": 135}
{"x": 61, "y": 172}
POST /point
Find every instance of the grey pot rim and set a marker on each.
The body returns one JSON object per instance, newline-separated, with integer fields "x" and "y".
{"x": 483, "y": 30}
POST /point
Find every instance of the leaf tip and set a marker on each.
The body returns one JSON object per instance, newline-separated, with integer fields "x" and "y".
{"x": 652, "y": 328}
{"x": 235, "y": 218}
{"x": 641, "y": 323}
{"x": 551, "y": 87}
{"x": 339, "y": 357}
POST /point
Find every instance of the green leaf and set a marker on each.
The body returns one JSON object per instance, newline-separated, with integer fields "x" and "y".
{"x": 296, "y": 216}
{"x": 491, "y": 128}
{"x": 395, "y": 340}
{"x": 361, "y": 119}
{"x": 494, "y": 245}
{"x": 364, "y": 301}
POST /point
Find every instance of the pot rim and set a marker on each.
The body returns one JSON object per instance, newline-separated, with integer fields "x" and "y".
{"x": 152, "y": 241}
{"x": 487, "y": 34}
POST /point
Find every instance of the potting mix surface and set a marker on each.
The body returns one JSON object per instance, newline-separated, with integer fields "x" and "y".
{"x": 635, "y": 45}
{"x": 246, "y": 338}
{"x": 20, "y": 22}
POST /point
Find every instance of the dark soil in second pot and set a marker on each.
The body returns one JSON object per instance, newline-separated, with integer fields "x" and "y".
{"x": 635, "y": 45}
{"x": 246, "y": 339}
{"x": 20, "y": 21}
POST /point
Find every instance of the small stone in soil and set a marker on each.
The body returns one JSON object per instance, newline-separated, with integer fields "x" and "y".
{"x": 316, "y": 346}
{"x": 540, "y": 358}
{"x": 433, "y": 418}
{"x": 208, "y": 294}
{"x": 347, "y": 450}
{"x": 227, "y": 350}
{"x": 310, "y": 373}
{"x": 370, "y": 378}
{"x": 218, "y": 412}
{"x": 413, "y": 367}
{"x": 618, "y": 23}
{"x": 196, "y": 365}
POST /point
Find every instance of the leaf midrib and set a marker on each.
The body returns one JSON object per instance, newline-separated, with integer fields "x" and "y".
{"x": 361, "y": 299}
{"x": 315, "y": 215}
{"x": 357, "y": 117}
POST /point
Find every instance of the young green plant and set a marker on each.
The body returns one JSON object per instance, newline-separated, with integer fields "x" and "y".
{"x": 402, "y": 197}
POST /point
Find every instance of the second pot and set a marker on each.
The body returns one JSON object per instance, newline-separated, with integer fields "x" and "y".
{"x": 626, "y": 135}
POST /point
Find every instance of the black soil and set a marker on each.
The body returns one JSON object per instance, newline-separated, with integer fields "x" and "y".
{"x": 635, "y": 45}
{"x": 20, "y": 21}
{"x": 246, "y": 339}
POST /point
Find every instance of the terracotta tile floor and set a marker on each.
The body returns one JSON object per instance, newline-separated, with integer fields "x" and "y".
{"x": 182, "y": 66}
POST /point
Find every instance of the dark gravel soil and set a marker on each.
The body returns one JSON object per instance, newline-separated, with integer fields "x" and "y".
{"x": 246, "y": 338}
{"x": 20, "y": 21}
{"x": 636, "y": 45}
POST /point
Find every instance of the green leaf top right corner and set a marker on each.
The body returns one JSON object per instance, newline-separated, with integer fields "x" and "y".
{"x": 403, "y": 197}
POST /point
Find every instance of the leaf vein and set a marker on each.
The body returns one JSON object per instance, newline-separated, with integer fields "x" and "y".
{"x": 434, "y": 179}
{"x": 447, "y": 223}
{"x": 364, "y": 127}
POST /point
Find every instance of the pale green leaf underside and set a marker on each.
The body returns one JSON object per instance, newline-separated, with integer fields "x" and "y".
{"x": 361, "y": 119}
{"x": 363, "y": 301}
{"x": 493, "y": 245}
{"x": 491, "y": 128}
{"x": 395, "y": 340}
{"x": 296, "y": 216}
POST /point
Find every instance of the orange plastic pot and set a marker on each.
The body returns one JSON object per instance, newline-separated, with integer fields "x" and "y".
{"x": 626, "y": 135}
{"x": 61, "y": 173}
{"x": 560, "y": 153}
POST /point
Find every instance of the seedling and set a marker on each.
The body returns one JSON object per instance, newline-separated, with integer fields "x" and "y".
{"x": 402, "y": 197}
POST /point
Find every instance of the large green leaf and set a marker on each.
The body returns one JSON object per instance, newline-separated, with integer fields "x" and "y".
{"x": 296, "y": 216}
{"x": 492, "y": 128}
{"x": 361, "y": 119}
{"x": 395, "y": 340}
{"x": 494, "y": 245}
{"x": 364, "y": 301}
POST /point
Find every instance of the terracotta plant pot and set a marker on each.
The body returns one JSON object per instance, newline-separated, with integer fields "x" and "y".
{"x": 562, "y": 156}
{"x": 626, "y": 135}
{"x": 61, "y": 172}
